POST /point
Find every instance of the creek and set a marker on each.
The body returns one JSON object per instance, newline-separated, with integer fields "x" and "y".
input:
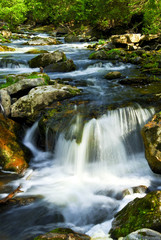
{"x": 80, "y": 185}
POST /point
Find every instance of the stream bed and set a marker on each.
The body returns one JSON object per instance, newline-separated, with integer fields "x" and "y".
{"x": 80, "y": 185}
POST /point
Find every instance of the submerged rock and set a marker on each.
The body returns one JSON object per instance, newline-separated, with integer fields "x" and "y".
{"x": 152, "y": 141}
{"x": 113, "y": 75}
{"x": 13, "y": 155}
{"x": 63, "y": 233}
{"x": 143, "y": 234}
{"x": 43, "y": 41}
{"x": 140, "y": 213}
{"x": 36, "y": 51}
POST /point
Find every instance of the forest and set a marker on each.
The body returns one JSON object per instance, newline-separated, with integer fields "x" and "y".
{"x": 142, "y": 16}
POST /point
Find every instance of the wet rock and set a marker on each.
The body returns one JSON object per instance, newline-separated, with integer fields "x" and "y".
{"x": 43, "y": 41}
{"x": 71, "y": 38}
{"x": 101, "y": 54}
{"x": 156, "y": 71}
{"x": 113, "y": 75}
{"x": 63, "y": 233}
{"x": 140, "y": 213}
{"x": 138, "y": 189}
{"x": 13, "y": 155}
{"x": 139, "y": 80}
{"x": 61, "y": 31}
{"x": 36, "y": 51}
{"x": 5, "y": 101}
{"x": 46, "y": 59}
{"x": 143, "y": 234}
{"x": 152, "y": 142}
{"x": 27, "y": 83}
{"x": 66, "y": 66}
{"x": 113, "y": 54}
{"x": 40, "y": 97}
{"x": 6, "y": 49}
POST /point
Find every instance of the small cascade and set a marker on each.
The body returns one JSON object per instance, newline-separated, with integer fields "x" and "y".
{"x": 108, "y": 144}
{"x": 11, "y": 63}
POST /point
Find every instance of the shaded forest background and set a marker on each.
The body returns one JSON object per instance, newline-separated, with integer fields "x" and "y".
{"x": 139, "y": 16}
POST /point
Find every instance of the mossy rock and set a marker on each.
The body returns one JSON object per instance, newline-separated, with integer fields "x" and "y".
{"x": 156, "y": 71}
{"x": 36, "y": 51}
{"x": 63, "y": 233}
{"x": 6, "y": 49}
{"x": 13, "y": 78}
{"x": 46, "y": 59}
{"x": 140, "y": 80}
{"x": 140, "y": 213}
{"x": 113, "y": 75}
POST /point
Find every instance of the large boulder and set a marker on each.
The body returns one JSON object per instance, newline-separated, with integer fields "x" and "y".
{"x": 40, "y": 97}
{"x": 140, "y": 213}
{"x": 151, "y": 133}
{"x": 66, "y": 66}
{"x": 46, "y": 59}
{"x": 13, "y": 155}
{"x": 63, "y": 233}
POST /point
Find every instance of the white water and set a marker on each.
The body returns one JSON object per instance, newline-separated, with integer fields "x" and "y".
{"x": 84, "y": 179}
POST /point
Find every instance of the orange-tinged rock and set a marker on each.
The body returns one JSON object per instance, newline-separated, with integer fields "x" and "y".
{"x": 151, "y": 134}
{"x": 13, "y": 155}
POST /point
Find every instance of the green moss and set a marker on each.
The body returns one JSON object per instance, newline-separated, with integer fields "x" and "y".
{"x": 36, "y": 51}
{"x": 11, "y": 79}
{"x": 140, "y": 213}
{"x": 73, "y": 91}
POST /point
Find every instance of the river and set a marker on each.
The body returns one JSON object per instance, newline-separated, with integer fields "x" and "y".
{"x": 80, "y": 185}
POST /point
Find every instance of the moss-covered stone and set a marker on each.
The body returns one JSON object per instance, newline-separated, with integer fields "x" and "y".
{"x": 13, "y": 78}
{"x": 36, "y": 51}
{"x": 140, "y": 80}
{"x": 6, "y": 49}
{"x": 113, "y": 75}
{"x": 141, "y": 213}
{"x": 63, "y": 234}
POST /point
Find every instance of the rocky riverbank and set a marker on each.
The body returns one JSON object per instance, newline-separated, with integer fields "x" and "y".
{"x": 26, "y": 97}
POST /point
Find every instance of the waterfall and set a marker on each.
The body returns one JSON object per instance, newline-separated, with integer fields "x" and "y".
{"x": 108, "y": 144}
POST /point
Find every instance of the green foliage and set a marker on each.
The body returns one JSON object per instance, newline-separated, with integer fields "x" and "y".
{"x": 101, "y": 13}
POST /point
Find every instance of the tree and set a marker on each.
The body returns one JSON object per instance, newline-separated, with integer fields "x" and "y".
{"x": 13, "y": 12}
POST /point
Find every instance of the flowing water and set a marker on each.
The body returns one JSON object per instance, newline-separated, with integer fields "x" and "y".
{"x": 80, "y": 185}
